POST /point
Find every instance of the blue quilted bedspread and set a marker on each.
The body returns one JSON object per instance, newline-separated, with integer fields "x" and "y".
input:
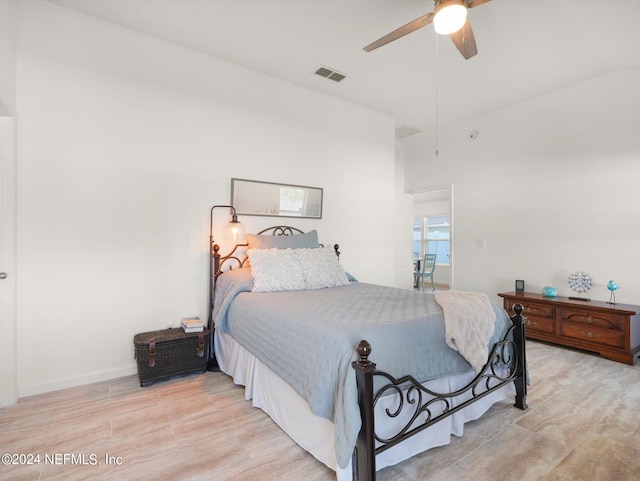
{"x": 309, "y": 339}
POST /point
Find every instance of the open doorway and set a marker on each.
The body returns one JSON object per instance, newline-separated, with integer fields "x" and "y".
{"x": 433, "y": 234}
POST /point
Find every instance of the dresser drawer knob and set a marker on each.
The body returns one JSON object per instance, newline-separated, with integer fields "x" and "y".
{"x": 590, "y": 335}
{"x": 591, "y": 320}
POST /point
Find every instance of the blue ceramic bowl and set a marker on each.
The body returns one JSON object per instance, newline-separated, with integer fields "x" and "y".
{"x": 550, "y": 291}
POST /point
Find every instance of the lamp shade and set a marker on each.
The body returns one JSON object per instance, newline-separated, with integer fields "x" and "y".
{"x": 234, "y": 230}
{"x": 449, "y": 16}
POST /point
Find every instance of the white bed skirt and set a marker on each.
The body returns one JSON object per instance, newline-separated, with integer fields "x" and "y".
{"x": 316, "y": 434}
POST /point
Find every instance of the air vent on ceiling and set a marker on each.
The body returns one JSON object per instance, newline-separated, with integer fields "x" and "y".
{"x": 405, "y": 131}
{"x": 330, "y": 74}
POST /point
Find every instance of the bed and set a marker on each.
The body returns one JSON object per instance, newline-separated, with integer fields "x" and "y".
{"x": 306, "y": 339}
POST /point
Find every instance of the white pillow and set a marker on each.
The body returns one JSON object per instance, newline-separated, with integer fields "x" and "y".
{"x": 275, "y": 270}
{"x": 295, "y": 269}
{"x": 321, "y": 268}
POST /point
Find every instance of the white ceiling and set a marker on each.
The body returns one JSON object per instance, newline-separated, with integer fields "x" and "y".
{"x": 526, "y": 47}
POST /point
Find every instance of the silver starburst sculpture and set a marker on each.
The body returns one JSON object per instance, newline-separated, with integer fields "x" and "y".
{"x": 580, "y": 282}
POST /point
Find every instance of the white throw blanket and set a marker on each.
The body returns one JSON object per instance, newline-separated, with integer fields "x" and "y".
{"x": 469, "y": 322}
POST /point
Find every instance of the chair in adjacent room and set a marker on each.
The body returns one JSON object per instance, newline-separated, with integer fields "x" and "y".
{"x": 427, "y": 266}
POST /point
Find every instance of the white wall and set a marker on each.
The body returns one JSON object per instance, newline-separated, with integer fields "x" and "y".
{"x": 551, "y": 184}
{"x": 124, "y": 144}
{"x": 7, "y": 58}
{"x": 403, "y": 236}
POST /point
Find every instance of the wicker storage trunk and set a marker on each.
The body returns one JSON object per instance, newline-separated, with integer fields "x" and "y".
{"x": 170, "y": 352}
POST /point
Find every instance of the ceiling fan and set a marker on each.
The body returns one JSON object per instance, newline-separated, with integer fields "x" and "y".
{"x": 449, "y": 18}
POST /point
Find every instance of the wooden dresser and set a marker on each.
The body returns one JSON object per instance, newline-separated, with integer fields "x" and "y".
{"x": 613, "y": 330}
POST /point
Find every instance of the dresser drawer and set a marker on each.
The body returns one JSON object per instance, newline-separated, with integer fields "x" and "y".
{"x": 539, "y": 324}
{"x": 591, "y": 318}
{"x": 539, "y": 317}
{"x": 539, "y": 310}
{"x": 587, "y": 332}
{"x": 532, "y": 309}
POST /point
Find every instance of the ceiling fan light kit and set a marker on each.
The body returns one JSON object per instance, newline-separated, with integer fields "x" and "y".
{"x": 459, "y": 30}
{"x": 449, "y": 16}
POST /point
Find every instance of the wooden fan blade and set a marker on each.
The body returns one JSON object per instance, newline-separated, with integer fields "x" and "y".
{"x": 418, "y": 23}
{"x": 465, "y": 41}
{"x": 476, "y": 3}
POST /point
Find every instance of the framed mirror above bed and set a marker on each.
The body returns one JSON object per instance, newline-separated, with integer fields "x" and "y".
{"x": 254, "y": 197}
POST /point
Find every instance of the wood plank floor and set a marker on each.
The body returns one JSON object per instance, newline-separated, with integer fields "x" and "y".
{"x": 583, "y": 423}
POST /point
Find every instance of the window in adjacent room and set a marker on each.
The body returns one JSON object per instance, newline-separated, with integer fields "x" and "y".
{"x": 432, "y": 235}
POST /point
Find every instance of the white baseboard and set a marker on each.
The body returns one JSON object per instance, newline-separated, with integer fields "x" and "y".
{"x": 33, "y": 389}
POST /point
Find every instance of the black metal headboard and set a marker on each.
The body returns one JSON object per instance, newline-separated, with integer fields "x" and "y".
{"x": 235, "y": 258}
{"x": 219, "y": 261}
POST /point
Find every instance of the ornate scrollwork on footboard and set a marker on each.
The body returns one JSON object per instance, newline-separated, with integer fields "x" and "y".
{"x": 417, "y": 404}
{"x": 423, "y": 407}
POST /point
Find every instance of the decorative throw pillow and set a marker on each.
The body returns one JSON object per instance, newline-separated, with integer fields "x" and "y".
{"x": 321, "y": 268}
{"x": 275, "y": 270}
{"x": 297, "y": 241}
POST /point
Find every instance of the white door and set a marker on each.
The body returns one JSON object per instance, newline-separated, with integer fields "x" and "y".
{"x": 8, "y": 353}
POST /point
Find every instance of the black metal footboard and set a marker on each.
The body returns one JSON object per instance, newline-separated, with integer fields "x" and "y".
{"x": 506, "y": 363}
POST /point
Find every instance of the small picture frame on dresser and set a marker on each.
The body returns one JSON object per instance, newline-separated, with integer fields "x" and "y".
{"x": 519, "y": 286}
